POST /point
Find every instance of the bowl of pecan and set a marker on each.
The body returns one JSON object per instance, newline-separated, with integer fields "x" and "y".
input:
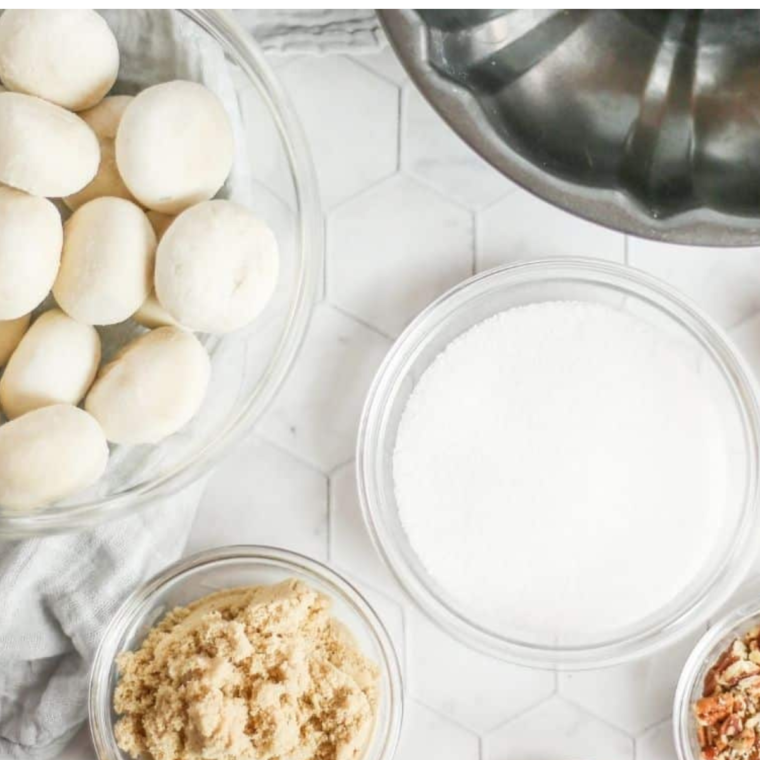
{"x": 716, "y": 715}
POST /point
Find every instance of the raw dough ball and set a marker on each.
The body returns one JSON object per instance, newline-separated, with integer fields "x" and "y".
{"x": 152, "y": 388}
{"x": 11, "y": 332}
{"x": 104, "y": 121}
{"x": 174, "y": 147}
{"x": 31, "y": 237}
{"x": 44, "y": 149}
{"x": 69, "y": 57}
{"x": 49, "y": 454}
{"x": 55, "y": 363}
{"x": 107, "y": 266}
{"x": 216, "y": 267}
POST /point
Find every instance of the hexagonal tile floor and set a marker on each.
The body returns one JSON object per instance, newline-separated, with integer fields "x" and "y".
{"x": 409, "y": 212}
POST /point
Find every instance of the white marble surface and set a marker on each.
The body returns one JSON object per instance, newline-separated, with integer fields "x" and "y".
{"x": 410, "y": 211}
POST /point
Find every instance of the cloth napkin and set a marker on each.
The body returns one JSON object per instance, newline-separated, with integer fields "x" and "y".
{"x": 58, "y": 593}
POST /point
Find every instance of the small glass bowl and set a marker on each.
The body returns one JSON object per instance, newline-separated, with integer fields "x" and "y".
{"x": 704, "y": 655}
{"x": 578, "y": 279}
{"x": 274, "y": 177}
{"x": 229, "y": 567}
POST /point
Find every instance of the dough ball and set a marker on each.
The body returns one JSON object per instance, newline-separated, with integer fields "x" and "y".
{"x": 48, "y": 455}
{"x": 69, "y": 57}
{"x": 152, "y": 388}
{"x": 55, "y": 363}
{"x": 216, "y": 267}
{"x": 11, "y": 332}
{"x": 174, "y": 146}
{"x": 104, "y": 120}
{"x": 107, "y": 264}
{"x": 44, "y": 149}
{"x": 31, "y": 237}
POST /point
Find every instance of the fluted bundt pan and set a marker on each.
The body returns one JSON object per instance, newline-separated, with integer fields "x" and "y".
{"x": 644, "y": 121}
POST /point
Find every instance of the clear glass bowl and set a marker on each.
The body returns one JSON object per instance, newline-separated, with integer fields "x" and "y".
{"x": 230, "y": 567}
{"x": 272, "y": 175}
{"x": 622, "y": 288}
{"x": 704, "y": 655}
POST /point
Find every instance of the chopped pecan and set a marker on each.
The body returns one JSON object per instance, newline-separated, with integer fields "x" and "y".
{"x": 728, "y": 713}
{"x": 731, "y": 726}
{"x": 712, "y": 710}
{"x": 750, "y": 686}
{"x": 736, "y": 672}
{"x": 744, "y": 742}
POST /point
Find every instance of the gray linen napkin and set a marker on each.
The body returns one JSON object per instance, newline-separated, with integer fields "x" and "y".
{"x": 314, "y": 30}
{"x": 58, "y": 593}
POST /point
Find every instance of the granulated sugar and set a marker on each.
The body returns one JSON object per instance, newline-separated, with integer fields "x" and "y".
{"x": 560, "y": 468}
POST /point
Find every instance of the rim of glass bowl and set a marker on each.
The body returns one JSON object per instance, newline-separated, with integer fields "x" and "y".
{"x": 100, "y": 690}
{"x": 371, "y": 444}
{"x": 239, "y": 45}
{"x": 705, "y": 653}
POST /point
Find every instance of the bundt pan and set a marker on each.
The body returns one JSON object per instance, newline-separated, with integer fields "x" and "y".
{"x": 644, "y": 121}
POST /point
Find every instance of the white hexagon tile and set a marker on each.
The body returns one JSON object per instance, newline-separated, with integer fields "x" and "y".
{"x": 267, "y": 493}
{"x": 657, "y": 743}
{"x": 350, "y": 116}
{"x": 351, "y": 548}
{"x": 557, "y": 729}
{"x": 725, "y": 282}
{"x": 410, "y": 211}
{"x": 316, "y": 414}
{"x": 393, "y": 249}
{"x": 521, "y": 227}
{"x": 431, "y": 151}
{"x": 473, "y": 690}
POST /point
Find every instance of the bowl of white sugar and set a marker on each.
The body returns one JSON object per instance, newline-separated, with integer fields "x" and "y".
{"x": 558, "y": 461}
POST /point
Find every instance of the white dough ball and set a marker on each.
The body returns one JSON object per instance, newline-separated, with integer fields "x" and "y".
{"x": 107, "y": 264}
{"x": 31, "y": 236}
{"x": 48, "y": 455}
{"x": 174, "y": 147}
{"x": 55, "y": 363}
{"x": 152, "y": 388}
{"x": 69, "y": 57}
{"x": 44, "y": 149}
{"x": 104, "y": 120}
{"x": 11, "y": 332}
{"x": 216, "y": 267}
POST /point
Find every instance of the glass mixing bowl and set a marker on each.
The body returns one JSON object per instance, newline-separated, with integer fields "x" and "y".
{"x": 619, "y": 287}
{"x": 273, "y": 176}
{"x": 704, "y": 655}
{"x": 230, "y": 567}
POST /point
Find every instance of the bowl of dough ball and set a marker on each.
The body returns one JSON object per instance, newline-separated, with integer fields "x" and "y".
{"x": 160, "y": 245}
{"x": 241, "y": 652}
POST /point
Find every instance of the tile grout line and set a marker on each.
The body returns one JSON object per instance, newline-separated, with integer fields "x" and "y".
{"x": 329, "y": 510}
{"x": 475, "y": 243}
{"x": 359, "y": 61}
{"x": 360, "y": 321}
{"x": 325, "y": 256}
{"x": 373, "y": 185}
{"x": 402, "y": 96}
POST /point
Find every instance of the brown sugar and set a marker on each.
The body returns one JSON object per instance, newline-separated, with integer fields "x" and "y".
{"x": 261, "y": 672}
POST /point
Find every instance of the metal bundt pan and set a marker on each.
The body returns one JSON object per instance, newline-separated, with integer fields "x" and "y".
{"x": 644, "y": 121}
